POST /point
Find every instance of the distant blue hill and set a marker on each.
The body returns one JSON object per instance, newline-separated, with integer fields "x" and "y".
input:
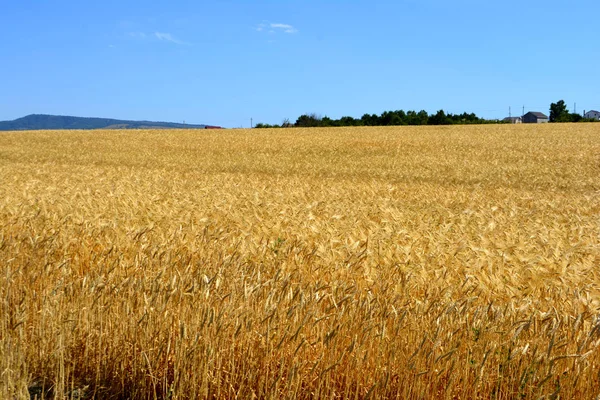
{"x": 41, "y": 121}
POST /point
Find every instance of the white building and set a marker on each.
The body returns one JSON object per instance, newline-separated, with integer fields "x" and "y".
{"x": 513, "y": 120}
{"x": 593, "y": 114}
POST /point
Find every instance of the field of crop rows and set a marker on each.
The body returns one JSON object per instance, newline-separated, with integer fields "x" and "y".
{"x": 391, "y": 262}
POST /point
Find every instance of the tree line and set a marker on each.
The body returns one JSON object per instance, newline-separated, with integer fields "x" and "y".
{"x": 558, "y": 113}
{"x": 386, "y": 118}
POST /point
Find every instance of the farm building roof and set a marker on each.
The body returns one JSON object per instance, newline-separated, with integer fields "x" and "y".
{"x": 538, "y": 114}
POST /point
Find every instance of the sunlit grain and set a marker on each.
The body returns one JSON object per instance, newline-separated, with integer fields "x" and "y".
{"x": 415, "y": 262}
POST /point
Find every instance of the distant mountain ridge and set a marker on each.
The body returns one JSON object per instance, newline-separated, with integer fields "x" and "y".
{"x": 43, "y": 121}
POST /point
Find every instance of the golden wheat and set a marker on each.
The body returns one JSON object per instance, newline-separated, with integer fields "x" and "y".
{"x": 425, "y": 262}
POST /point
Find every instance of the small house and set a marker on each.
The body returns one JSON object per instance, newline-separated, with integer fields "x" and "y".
{"x": 513, "y": 120}
{"x": 534, "y": 117}
{"x": 593, "y": 114}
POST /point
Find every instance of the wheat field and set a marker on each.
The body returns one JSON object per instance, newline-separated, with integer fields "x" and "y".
{"x": 404, "y": 262}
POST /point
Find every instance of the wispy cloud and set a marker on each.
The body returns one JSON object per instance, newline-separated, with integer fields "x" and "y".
{"x": 167, "y": 37}
{"x": 276, "y": 27}
{"x": 160, "y": 36}
{"x": 285, "y": 28}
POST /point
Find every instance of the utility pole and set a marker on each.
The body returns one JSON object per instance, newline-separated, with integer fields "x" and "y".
{"x": 575, "y": 108}
{"x": 251, "y": 123}
{"x": 509, "y": 113}
{"x": 523, "y": 112}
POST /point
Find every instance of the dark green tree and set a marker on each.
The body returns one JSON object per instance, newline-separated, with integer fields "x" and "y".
{"x": 370, "y": 120}
{"x": 308, "y": 120}
{"x": 414, "y": 118}
{"x": 349, "y": 121}
{"x": 422, "y": 118}
{"x": 559, "y": 112}
{"x": 263, "y": 125}
{"x": 396, "y": 120}
{"x": 402, "y": 116}
{"x": 386, "y": 118}
{"x": 326, "y": 121}
{"x": 440, "y": 118}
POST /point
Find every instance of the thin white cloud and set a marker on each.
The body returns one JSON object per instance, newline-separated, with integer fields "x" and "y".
{"x": 275, "y": 27}
{"x": 284, "y": 27}
{"x": 167, "y": 37}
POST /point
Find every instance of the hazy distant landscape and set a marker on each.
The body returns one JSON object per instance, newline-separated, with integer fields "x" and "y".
{"x": 43, "y": 122}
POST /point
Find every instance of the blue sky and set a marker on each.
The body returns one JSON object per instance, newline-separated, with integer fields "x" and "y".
{"x": 224, "y": 62}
